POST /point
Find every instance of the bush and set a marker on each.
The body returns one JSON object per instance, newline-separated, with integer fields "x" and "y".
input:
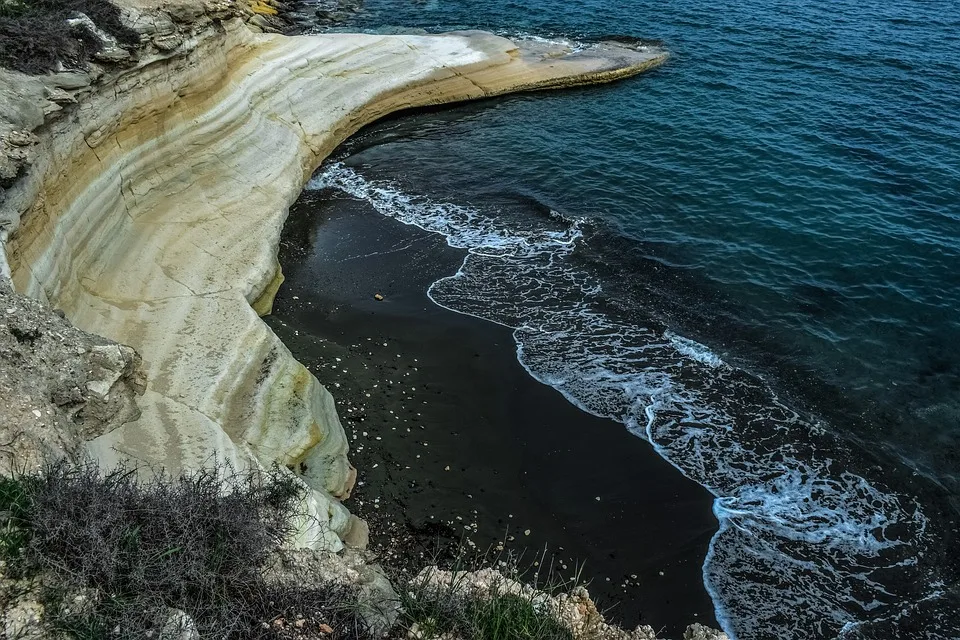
{"x": 433, "y": 609}
{"x": 35, "y": 36}
{"x": 133, "y": 551}
{"x": 500, "y": 617}
{"x": 14, "y": 511}
{"x": 116, "y": 557}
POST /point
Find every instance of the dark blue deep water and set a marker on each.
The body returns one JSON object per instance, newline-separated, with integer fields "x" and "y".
{"x": 750, "y": 257}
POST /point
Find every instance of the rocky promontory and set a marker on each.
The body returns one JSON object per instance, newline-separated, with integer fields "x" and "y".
{"x": 148, "y": 197}
{"x": 143, "y": 195}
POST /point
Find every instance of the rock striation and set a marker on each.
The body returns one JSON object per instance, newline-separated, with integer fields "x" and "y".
{"x": 147, "y": 203}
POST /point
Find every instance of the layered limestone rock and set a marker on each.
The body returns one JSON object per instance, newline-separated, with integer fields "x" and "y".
{"x": 152, "y": 211}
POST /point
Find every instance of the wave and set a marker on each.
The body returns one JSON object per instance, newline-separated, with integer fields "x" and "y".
{"x": 806, "y": 546}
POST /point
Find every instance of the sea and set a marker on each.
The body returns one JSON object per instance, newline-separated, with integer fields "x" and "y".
{"x": 749, "y": 257}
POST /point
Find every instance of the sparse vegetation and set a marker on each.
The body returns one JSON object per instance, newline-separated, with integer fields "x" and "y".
{"x": 113, "y": 556}
{"x": 510, "y": 603}
{"x": 432, "y": 613}
{"x": 35, "y": 36}
{"x": 132, "y": 552}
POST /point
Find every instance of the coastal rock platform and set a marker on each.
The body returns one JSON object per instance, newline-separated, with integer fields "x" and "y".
{"x": 148, "y": 207}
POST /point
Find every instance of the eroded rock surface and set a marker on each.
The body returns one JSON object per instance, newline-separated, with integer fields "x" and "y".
{"x": 574, "y": 610}
{"x": 146, "y": 201}
{"x": 376, "y": 600}
{"x": 59, "y": 387}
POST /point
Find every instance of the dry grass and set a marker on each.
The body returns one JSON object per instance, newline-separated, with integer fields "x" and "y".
{"x": 198, "y": 543}
{"x": 35, "y": 36}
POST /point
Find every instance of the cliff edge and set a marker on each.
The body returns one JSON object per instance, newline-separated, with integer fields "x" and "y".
{"x": 145, "y": 195}
{"x": 144, "y": 182}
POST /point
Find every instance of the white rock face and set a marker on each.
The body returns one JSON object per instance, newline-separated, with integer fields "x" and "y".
{"x": 153, "y": 209}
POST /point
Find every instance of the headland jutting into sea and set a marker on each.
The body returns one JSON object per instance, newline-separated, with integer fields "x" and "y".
{"x": 485, "y": 351}
{"x": 146, "y": 194}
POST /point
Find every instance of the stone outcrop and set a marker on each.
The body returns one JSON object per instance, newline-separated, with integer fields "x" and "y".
{"x": 376, "y": 602}
{"x": 574, "y": 610}
{"x": 59, "y": 387}
{"x": 147, "y": 202}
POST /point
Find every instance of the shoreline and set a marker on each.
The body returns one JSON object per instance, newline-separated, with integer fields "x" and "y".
{"x": 486, "y": 440}
{"x": 107, "y": 220}
{"x": 178, "y": 260}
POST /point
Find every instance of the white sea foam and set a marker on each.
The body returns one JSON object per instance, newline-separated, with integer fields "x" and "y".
{"x": 798, "y": 532}
{"x": 567, "y": 43}
{"x": 692, "y": 349}
{"x": 463, "y": 227}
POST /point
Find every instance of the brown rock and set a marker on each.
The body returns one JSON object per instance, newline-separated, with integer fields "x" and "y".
{"x": 358, "y": 535}
{"x": 61, "y": 386}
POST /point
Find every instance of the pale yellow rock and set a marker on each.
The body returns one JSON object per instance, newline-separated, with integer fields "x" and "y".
{"x": 155, "y": 214}
{"x": 263, "y": 8}
{"x": 264, "y": 304}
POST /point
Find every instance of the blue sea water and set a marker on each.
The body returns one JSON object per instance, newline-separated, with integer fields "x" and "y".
{"x": 750, "y": 257}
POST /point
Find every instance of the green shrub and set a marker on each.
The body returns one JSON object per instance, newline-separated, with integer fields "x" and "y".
{"x": 436, "y": 609}
{"x": 500, "y": 617}
{"x": 14, "y": 510}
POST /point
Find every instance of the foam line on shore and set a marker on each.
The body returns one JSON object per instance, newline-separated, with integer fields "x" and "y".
{"x": 154, "y": 216}
{"x": 846, "y": 548}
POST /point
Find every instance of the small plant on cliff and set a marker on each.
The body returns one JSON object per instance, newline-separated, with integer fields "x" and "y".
{"x": 121, "y": 558}
{"x": 14, "y": 511}
{"x": 35, "y": 36}
{"x": 432, "y": 614}
{"x": 511, "y": 604}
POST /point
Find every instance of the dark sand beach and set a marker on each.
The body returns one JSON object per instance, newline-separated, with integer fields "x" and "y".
{"x": 454, "y": 441}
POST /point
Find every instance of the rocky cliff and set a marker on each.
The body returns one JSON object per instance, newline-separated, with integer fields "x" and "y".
{"x": 145, "y": 198}
{"x": 60, "y": 387}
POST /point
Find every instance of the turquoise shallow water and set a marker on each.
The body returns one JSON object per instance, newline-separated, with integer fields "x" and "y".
{"x": 749, "y": 257}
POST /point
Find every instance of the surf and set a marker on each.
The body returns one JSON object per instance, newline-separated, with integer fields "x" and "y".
{"x": 803, "y": 529}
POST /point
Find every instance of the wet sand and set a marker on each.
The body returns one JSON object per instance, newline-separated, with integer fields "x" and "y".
{"x": 454, "y": 441}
